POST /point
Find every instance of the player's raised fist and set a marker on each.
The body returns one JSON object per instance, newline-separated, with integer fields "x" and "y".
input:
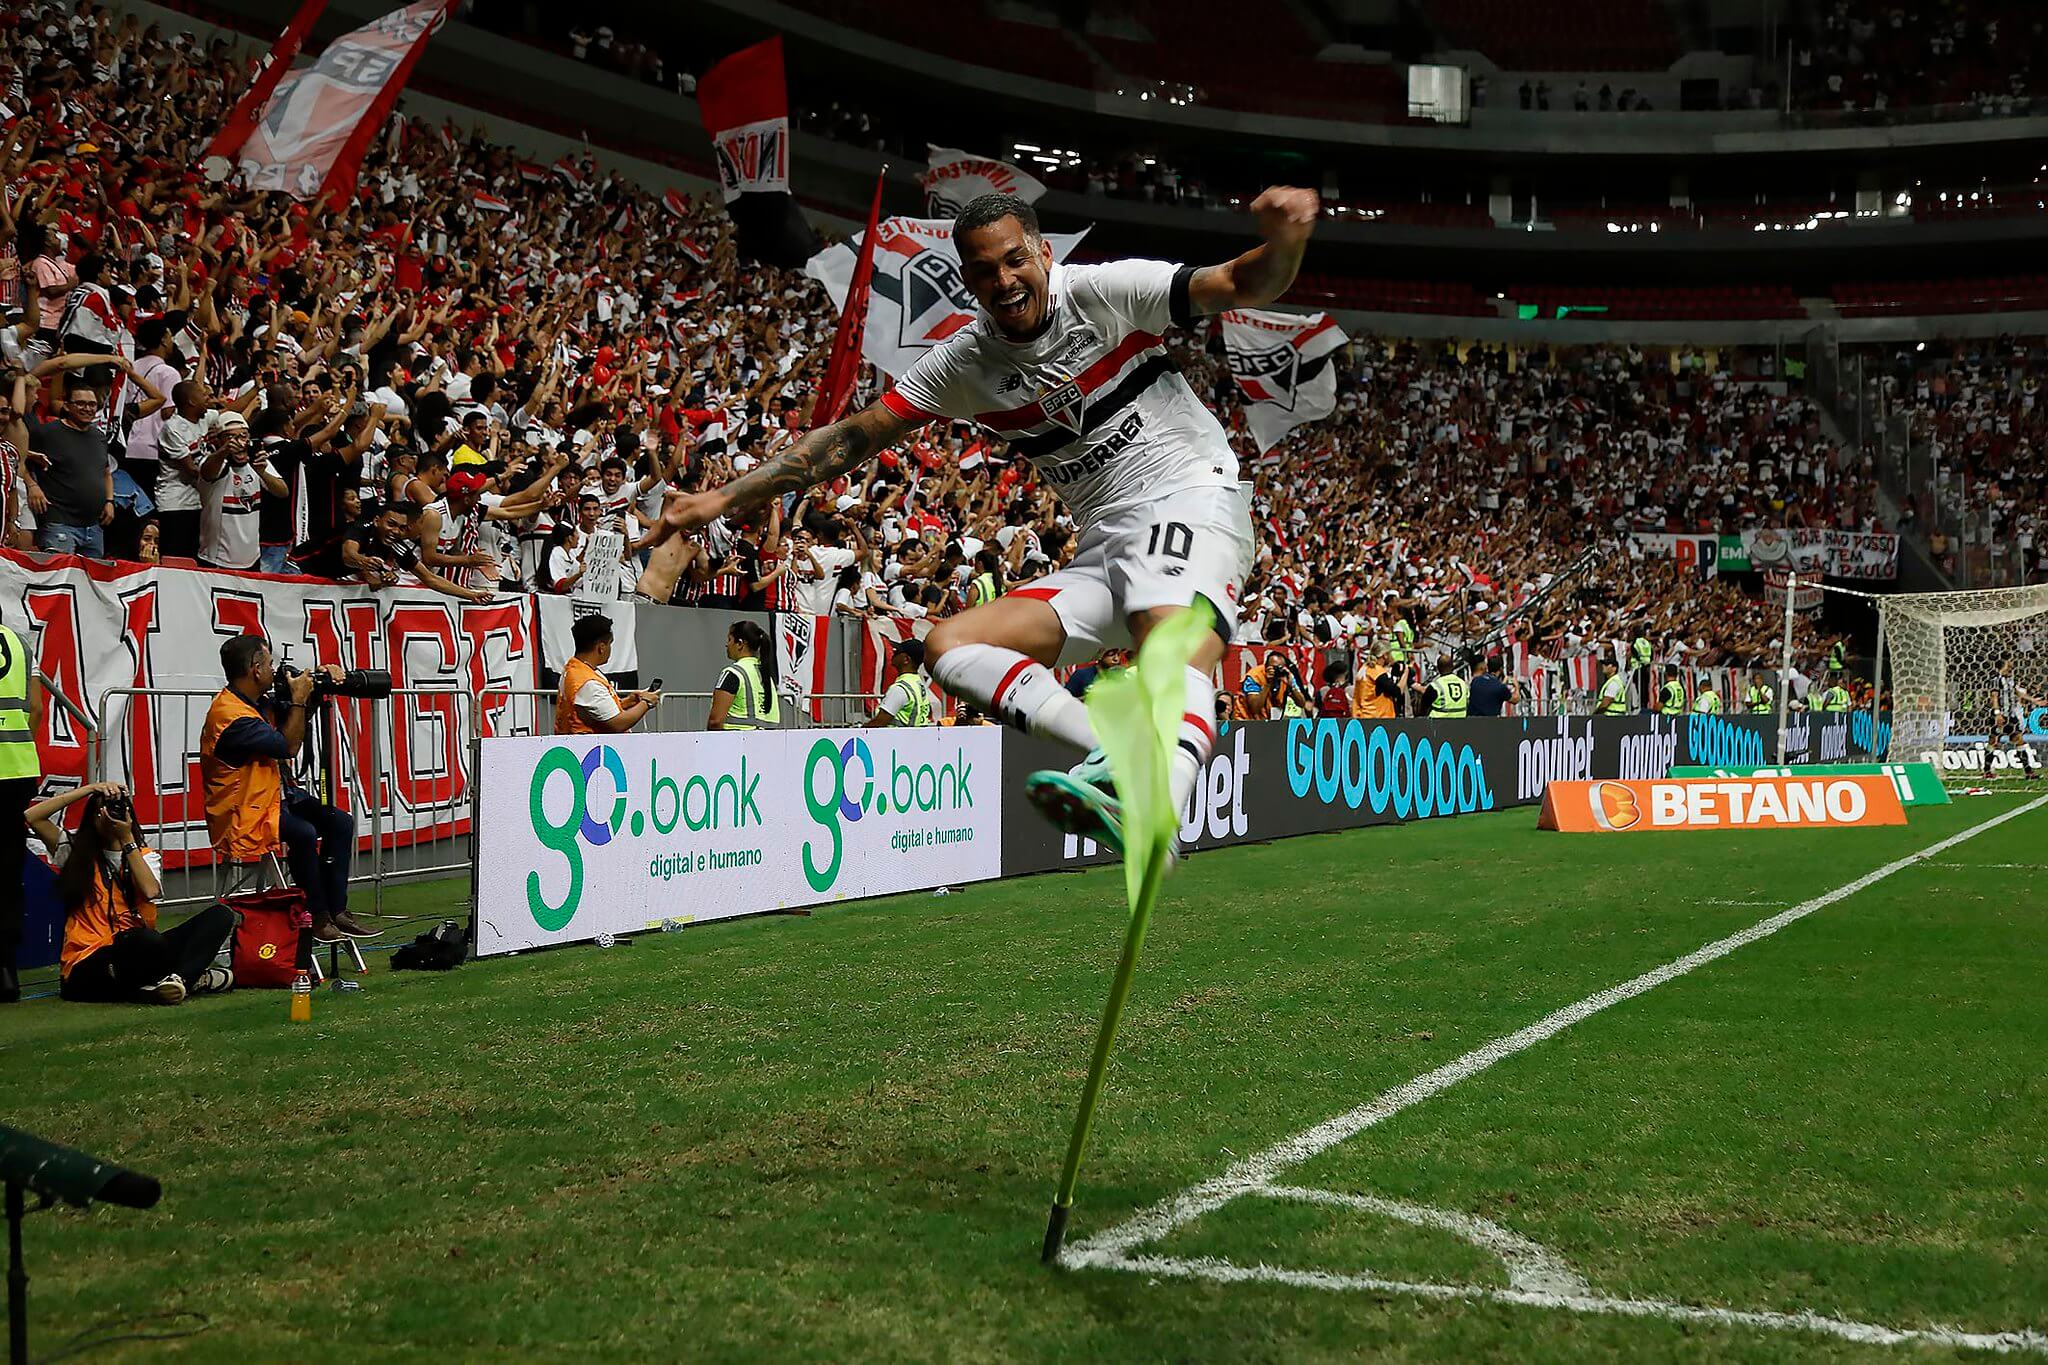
{"x": 1286, "y": 214}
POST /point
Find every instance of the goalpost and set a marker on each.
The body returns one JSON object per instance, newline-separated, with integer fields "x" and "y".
{"x": 1968, "y": 668}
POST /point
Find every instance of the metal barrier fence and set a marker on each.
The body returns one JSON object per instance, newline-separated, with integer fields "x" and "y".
{"x": 402, "y": 766}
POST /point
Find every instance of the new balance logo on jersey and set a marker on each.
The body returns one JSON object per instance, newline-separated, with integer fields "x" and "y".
{"x": 1100, "y": 454}
{"x": 1010, "y": 383}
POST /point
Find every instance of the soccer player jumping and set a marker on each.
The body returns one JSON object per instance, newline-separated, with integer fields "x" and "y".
{"x": 1066, "y": 363}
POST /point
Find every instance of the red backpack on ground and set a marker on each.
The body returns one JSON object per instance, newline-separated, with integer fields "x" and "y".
{"x": 266, "y": 951}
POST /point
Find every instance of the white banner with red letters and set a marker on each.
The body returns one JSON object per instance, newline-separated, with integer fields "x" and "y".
{"x": 1281, "y": 362}
{"x": 918, "y": 299}
{"x": 1701, "y": 554}
{"x": 139, "y": 649}
{"x": 954, "y": 177}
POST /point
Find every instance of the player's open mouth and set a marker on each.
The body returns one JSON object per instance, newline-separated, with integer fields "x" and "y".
{"x": 1013, "y": 303}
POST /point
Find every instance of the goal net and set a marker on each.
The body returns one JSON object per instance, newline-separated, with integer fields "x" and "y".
{"x": 1969, "y": 673}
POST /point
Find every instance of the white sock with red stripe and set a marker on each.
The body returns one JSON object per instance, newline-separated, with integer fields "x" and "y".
{"x": 1017, "y": 690}
{"x": 1197, "y": 737}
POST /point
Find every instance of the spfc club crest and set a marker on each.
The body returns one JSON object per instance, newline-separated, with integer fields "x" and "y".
{"x": 935, "y": 304}
{"x": 1268, "y": 376}
{"x": 1064, "y": 405}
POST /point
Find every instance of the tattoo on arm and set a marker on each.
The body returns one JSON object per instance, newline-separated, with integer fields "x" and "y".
{"x": 819, "y": 455}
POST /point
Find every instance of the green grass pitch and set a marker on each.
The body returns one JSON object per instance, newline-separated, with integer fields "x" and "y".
{"x": 834, "y": 1138}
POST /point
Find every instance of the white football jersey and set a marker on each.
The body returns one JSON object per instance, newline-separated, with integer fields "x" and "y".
{"x": 1094, "y": 401}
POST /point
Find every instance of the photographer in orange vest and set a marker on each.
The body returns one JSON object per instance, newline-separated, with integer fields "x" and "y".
{"x": 587, "y": 703}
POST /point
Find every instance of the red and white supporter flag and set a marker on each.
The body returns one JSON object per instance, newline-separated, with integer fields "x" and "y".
{"x": 918, "y": 299}
{"x": 954, "y": 177}
{"x": 745, "y": 104}
{"x": 241, "y": 121}
{"x": 491, "y": 202}
{"x": 1281, "y": 362}
{"x": 676, "y": 202}
{"x": 800, "y": 654}
{"x": 746, "y": 110}
{"x": 314, "y": 128}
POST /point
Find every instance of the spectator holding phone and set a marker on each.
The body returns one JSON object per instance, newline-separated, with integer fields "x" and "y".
{"x": 231, "y": 488}
{"x": 108, "y": 883}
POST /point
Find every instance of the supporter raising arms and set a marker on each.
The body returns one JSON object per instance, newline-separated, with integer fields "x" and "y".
{"x": 1068, "y": 363}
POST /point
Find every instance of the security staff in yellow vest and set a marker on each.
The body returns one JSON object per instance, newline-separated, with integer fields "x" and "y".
{"x": 1448, "y": 693}
{"x": 908, "y": 700}
{"x": 1613, "y": 691}
{"x": 1838, "y": 656}
{"x": 1759, "y": 698}
{"x": 1671, "y": 696}
{"x": 745, "y": 696}
{"x": 1834, "y": 697}
{"x": 21, "y": 772}
{"x": 1403, "y": 642}
{"x": 987, "y": 584}
{"x": 586, "y": 703}
{"x": 1707, "y": 702}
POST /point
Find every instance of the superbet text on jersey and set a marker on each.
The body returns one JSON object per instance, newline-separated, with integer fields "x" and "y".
{"x": 1093, "y": 401}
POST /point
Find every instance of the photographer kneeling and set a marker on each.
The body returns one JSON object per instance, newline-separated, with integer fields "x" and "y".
{"x": 108, "y": 883}
{"x": 251, "y": 801}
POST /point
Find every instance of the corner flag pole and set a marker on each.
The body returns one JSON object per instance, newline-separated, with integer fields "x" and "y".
{"x": 1098, "y": 1066}
{"x": 1135, "y": 712}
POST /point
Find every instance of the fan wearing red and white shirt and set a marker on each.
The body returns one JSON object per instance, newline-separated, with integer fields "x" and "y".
{"x": 1067, "y": 363}
{"x": 231, "y": 488}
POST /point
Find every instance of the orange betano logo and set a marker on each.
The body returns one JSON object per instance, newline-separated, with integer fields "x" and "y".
{"x": 1614, "y": 805}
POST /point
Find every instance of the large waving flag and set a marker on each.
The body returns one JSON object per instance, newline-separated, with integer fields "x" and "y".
{"x": 241, "y": 120}
{"x": 1281, "y": 362}
{"x": 954, "y": 177}
{"x": 844, "y": 364}
{"x": 319, "y": 120}
{"x": 918, "y": 299}
{"x": 746, "y": 110}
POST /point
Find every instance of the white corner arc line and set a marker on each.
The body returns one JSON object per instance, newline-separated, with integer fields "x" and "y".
{"x": 1110, "y": 1249}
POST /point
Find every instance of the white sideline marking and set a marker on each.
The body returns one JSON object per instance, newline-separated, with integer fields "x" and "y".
{"x": 1110, "y": 1250}
{"x": 1747, "y": 905}
{"x": 1867, "y": 1333}
{"x": 2001, "y": 867}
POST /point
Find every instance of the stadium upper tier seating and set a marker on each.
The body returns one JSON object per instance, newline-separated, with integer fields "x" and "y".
{"x": 1586, "y": 35}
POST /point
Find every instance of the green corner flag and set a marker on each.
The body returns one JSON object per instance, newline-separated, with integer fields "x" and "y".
{"x": 1136, "y": 713}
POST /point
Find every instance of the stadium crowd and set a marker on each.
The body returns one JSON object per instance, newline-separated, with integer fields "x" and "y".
{"x": 485, "y": 374}
{"x": 1874, "y": 55}
{"x": 1975, "y": 412}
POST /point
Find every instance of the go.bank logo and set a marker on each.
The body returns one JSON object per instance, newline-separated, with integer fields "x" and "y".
{"x": 717, "y": 800}
{"x": 562, "y": 836}
{"x": 837, "y": 802}
{"x": 1384, "y": 770}
{"x": 841, "y": 788}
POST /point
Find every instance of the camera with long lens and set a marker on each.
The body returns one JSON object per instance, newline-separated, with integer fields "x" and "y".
{"x": 372, "y": 684}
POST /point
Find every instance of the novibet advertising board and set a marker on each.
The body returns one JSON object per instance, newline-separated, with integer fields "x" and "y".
{"x": 613, "y": 834}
